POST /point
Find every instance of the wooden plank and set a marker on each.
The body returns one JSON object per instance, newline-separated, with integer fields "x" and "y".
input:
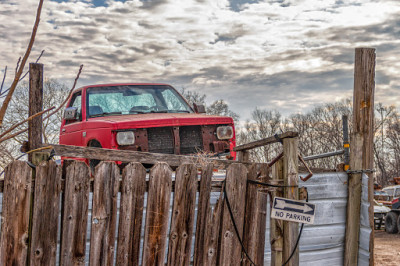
{"x": 212, "y": 234}
{"x": 203, "y": 213}
{"x": 75, "y": 213}
{"x": 15, "y": 214}
{"x": 255, "y": 216}
{"x": 235, "y": 186}
{"x": 361, "y": 152}
{"x": 133, "y": 188}
{"x": 135, "y": 156}
{"x": 45, "y": 214}
{"x": 35, "y": 106}
{"x": 157, "y": 213}
{"x": 243, "y": 156}
{"x": 266, "y": 141}
{"x": 276, "y": 226}
{"x": 182, "y": 221}
{"x": 291, "y": 178}
{"x": 104, "y": 214}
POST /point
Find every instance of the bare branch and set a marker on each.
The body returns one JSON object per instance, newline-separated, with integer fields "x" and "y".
{"x": 21, "y": 68}
{"x": 16, "y": 68}
{"x": 37, "y": 60}
{"x": 69, "y": 94}
{"x": 2, "y": 94}
{"x": 22, "y": 122}
{"x": 13, "y": 135}
{"x": 4, "y": 77}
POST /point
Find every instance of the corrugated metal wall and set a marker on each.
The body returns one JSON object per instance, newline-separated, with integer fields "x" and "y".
{"x": 323, "y": 242}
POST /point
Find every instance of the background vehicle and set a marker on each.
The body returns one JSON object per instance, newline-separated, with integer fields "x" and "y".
{"x": 143, "y": 117}
{"x": 380, "y": 212}
{"x": 392, "y": 219}
{"x": 392, "y": 191}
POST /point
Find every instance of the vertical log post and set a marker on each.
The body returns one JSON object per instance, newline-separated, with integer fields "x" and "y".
{"x": 235, "y": 187}
{"x": 15, "y": 214}
{"x": 361, "y": 152}
{"x": 35, "y": 106}
{"x": 203, "y": 213}
{"x": 291, "y": 178}
{"x": 256, "y": 215}
{"x": 276, "y": 226}
{"x": 243, "y": 156}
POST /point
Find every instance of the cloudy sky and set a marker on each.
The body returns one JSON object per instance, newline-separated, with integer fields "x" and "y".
{"x": 287, "y": 55}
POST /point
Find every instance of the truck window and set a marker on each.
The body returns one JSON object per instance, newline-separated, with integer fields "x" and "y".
{"x": 397, "y": 192}
{"x": 172, "y": 101}
{"x": 134, "y": 99}
{"x": 389, "y": 191}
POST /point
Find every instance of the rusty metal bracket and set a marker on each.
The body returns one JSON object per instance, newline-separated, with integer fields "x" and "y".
{"x": 310, "y": 174}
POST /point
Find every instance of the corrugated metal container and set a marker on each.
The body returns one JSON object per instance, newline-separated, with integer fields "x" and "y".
{"x": 323, "y": 242}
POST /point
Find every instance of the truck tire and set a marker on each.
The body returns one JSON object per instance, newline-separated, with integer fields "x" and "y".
{"x": 391, "y": 222}
{"x": 398, "y": 221}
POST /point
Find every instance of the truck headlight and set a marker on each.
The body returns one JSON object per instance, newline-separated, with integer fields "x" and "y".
{"x": 125, "y": 138}
{"x": 225, "y": 132}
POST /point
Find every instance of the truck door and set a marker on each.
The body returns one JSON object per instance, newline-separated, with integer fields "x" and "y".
{"x": 71, "y": 131}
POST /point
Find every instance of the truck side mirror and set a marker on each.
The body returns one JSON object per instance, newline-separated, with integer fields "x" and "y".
{"x": 199, "y": 108}
{"x": 70, "y": 113}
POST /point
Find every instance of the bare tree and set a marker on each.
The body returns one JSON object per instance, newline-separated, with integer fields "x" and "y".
{"x": 54, "y": 92}
{"x": 193, "y": 97}
{"x": 264, "y": 124}
{"x": 220, "y": 107}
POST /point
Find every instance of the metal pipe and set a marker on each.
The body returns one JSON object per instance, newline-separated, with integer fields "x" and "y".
{"x": 323, "y": 155}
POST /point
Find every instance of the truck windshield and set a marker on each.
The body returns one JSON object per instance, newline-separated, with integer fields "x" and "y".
{"x": 134, "y": 99}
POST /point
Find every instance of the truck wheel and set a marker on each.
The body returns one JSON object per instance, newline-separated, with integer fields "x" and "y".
{"x": 398, "y": 222}
{"x": 391, "y": 222}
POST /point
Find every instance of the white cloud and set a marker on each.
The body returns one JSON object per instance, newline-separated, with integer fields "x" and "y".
{"x": 262, "y": 55}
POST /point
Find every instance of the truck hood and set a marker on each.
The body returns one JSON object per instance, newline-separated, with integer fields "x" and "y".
{"x": 156, "y": 120}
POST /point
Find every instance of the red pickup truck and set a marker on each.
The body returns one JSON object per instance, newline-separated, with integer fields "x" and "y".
{"x": 143, "y": 117}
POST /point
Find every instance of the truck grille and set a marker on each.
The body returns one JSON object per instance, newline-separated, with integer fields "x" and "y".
{"x": 161, "y": 139}
{"x": 191, "y": 139}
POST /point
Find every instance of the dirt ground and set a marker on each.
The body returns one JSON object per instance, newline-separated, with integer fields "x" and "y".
{"x": 387, "y": 249}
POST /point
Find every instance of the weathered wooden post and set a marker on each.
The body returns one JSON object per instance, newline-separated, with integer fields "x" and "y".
{"x": 276, "y": 226}
{"x": 35, "y": 106}
{"x": 361, "y": 153}
{"x": 291, "y": 178}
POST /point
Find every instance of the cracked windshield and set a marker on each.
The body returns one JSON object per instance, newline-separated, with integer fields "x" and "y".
{"x": 135, "y": 99}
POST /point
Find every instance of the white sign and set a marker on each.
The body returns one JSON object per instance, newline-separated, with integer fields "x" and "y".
{"x": 293, "y": 210}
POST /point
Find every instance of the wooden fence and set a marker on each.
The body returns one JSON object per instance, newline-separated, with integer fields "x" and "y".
{"x": 34, "y": 198}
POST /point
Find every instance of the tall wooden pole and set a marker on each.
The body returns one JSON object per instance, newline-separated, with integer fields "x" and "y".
{"x": 276, "y": 226}
{"x": 361, "y": 152}
{"x": 35, "y": 106}
{"x": 291, "y": 178}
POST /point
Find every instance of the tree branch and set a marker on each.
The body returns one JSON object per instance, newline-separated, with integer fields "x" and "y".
{"x": 22, "y": 122}
{"x": 13, "y": 135}
{"x": 4, "y": 77}
{"x": 69, "y": 94}
{"x": 21, "y": 68}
